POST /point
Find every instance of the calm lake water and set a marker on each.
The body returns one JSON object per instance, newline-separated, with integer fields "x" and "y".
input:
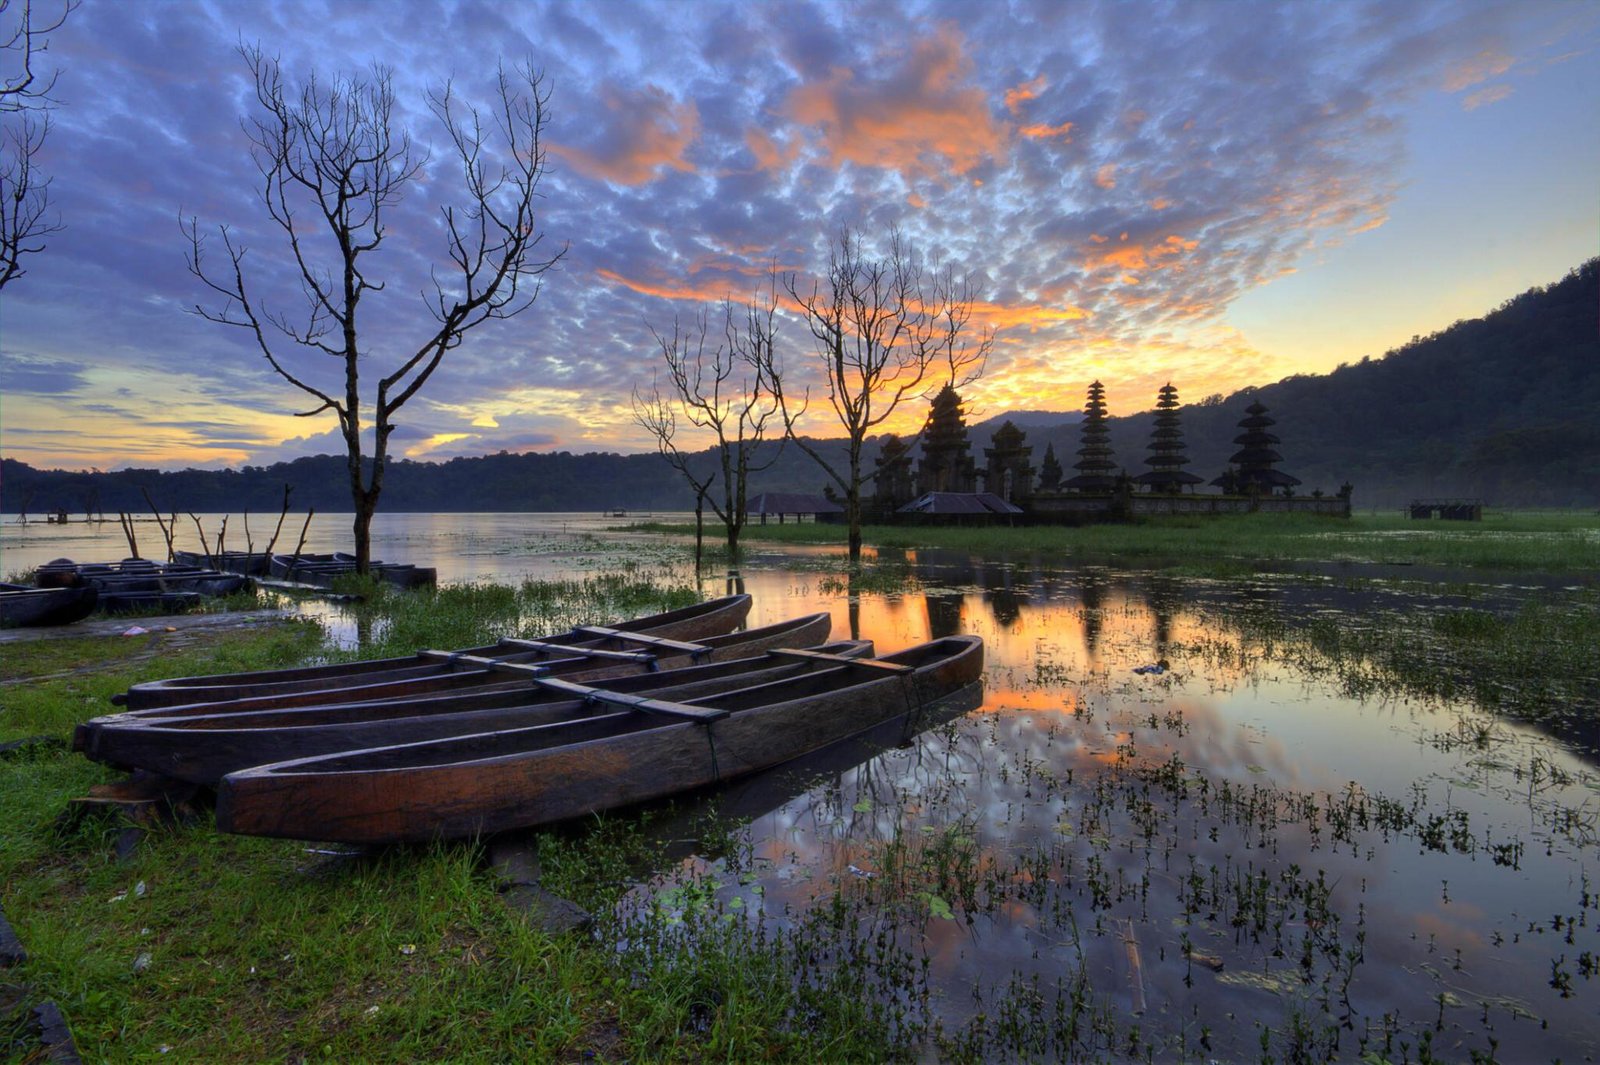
{"x": 1176, "y": 860}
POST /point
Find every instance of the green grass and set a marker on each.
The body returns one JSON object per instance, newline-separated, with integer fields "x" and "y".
{"x": 1551, "y": 542}
{"x": 208, "y": 947}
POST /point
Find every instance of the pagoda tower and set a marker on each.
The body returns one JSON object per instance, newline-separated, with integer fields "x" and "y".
{"x": 1250, "y": 468}
{"x": 1167, "y": 451}
{"x": 947, "y": 464}
{"x": 891, "y": 477}
{"x": 1007, "y": 472}
{"x": 1094, "y": 463}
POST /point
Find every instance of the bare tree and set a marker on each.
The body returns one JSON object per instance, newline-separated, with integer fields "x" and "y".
{"x": 881, "y": 327}
{"x": 25, "y": 215}
{"x": 331, "y": 165}
{"x": 723, "y": 394}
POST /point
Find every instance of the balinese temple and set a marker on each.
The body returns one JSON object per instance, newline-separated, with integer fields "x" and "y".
{"x": 1050, "y": 470}
{"x": 1168, "y": 456}
{"x": 947, "y": 464}
{"x": 1007, "y": 472}
{"x": 892, "y": 483}
{"x": 1094, "y": 463}
{"x": 1250, "y": 468}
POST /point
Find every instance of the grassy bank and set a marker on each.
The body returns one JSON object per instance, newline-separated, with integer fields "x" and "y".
{"x": 1548, "y": 542}
{"x": 210, "y": 947}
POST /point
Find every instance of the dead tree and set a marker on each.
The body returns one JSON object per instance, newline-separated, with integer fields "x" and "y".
{"x": 722, "y": 394}
{"x": 884, "y": 330}
{"x": 25, "y": 215}
{"x": 332, "y": 163}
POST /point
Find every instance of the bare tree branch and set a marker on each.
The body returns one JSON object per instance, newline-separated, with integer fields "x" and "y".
{"x": 331, "y": 163}
{"x": 880, "y": 327}
{"x": 25, "y": 215}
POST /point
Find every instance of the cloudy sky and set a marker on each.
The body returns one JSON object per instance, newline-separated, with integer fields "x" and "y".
{"x": 1215, "y": 194}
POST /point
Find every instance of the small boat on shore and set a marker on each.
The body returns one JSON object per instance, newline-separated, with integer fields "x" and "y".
{"x": 322, "y": 570}
{"x": 202, "y": 748}
{"x": 244, "y": 563}
{"x": 632, "y": 749}
{"x": 638, "y": 642}
{"x": 139, "y": 576}
{"x": 478, "y": 679}
{"x": 21, "y": 606}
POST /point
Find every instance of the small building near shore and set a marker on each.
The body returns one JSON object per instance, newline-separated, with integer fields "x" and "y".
{"x": 960, "y": 507}
{"x": 797, "y": 505}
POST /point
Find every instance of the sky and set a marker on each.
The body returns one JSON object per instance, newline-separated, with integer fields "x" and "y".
{"x": 1214, "y": 194}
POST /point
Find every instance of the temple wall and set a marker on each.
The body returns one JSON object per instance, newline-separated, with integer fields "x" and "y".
{"x": 1069, "y": 507}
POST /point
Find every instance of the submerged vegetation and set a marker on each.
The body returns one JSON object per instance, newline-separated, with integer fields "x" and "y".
{"x": 1100, "y": 865}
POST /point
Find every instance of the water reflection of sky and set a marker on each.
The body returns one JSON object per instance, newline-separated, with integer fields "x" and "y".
{"x": 1055, "y": 778}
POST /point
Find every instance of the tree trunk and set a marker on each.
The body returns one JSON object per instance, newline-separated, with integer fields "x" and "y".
{"x": 366, "y": 506}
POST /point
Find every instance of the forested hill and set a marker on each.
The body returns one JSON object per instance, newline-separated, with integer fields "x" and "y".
{"x": 1505, "y": 408}
{"x": 1502, "y": 408}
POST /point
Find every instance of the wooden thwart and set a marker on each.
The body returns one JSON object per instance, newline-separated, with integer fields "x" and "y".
{"x": 631, "y": 701}
{"x": 561, "y": 650}
{"x": 823, "y": 656}
{"x": 659, "y": 642}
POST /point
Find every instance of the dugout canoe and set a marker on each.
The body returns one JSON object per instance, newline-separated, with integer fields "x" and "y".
{"x": 456, "y": 689}
{"x": 21, "y": 606}
{"x": 647, "y": 749}
{"x": 703, "y": 620}
{"x": 201, "y": 749}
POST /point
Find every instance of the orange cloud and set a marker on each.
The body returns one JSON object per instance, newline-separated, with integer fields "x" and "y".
{"x": 769, "y": 153}
{"x": 928, "y": 108}
{"x": 1484, "y": 97}
{"x": 1037, "y": 131}
{"x": 649, "y": 130}
{"x": 1132, "y": 256}
{"x": 1106, "y": 176}
{"x": 706, "y": 292}
{"x": 1476, "y": 69}
{"x": 1017, "y": 95}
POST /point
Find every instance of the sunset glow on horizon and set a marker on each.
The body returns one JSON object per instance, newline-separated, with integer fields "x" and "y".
{"x": 1215, "y": 195}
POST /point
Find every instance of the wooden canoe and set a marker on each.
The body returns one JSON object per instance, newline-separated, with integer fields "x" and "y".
{"x": 201, "y": 749}
{"x": 646, "y": 749}
{"x": 713, "y": 618}
{"x": 448, "y": 692}
{"x": 22, "y": 606}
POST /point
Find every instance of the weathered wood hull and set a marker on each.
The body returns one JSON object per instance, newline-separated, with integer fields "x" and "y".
{"x": 32, "y": 607}
{"x": 322, "y": 569}
{"x": 497, "y": 781}
{"x": 703, "y": 620}
{"x": 203, "y": 749}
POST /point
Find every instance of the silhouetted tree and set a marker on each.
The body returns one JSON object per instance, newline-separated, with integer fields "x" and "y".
{"x": 332, "y": 163}
{"x": 25, "y": 218}
{"x": 1050, "y": 470}
{"x": 723, "y": 395}
{"x": 880, "y": 326}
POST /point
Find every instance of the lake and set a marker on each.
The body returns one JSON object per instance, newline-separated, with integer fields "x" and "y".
{"x": 1159, "y": 834}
